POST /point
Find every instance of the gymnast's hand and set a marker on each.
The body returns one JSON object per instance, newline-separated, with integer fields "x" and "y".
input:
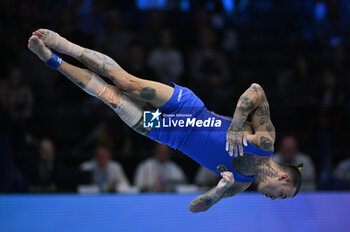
{"x": 226, "y": 181}
{"x": 234, "y": 137}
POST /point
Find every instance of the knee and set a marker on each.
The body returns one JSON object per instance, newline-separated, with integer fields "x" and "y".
{"x": 127, "y": 82}
{"x": 111, "y": 96}
{"x": 95, "y": 86}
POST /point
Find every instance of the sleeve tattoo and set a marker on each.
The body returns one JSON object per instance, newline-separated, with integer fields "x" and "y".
{"x": 253, "y": 101}
{"x": 207, "y": 200}
{"x": 248, "y": 102}
{"x": 262, "y": 121}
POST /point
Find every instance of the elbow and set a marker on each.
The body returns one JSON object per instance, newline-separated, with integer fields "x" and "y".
{"x": 197, "y": 208}
{"x": 258, "y": 89}
{"x": 257, "y": 86}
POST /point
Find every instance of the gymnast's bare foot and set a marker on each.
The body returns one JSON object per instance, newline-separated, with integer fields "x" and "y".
{"x": 38, "y": 47}
{"x": 58, "y": 43}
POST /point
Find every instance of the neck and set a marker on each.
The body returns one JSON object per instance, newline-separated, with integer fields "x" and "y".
{"x": 266, "y": 169}
{"x": 248, "y": 164}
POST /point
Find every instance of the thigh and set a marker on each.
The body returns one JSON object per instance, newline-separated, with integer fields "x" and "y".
{"x": 156, "y": 93}
{"x": 152, "y": 92}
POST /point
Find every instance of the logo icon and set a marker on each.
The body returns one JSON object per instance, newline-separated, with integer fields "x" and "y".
{"x": 151, "y": 119}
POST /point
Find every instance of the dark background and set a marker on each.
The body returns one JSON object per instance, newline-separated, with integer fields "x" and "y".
{"x": 298, "y": 51}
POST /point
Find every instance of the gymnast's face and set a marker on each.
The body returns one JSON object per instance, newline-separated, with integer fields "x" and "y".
{"x": 277, "y": 187}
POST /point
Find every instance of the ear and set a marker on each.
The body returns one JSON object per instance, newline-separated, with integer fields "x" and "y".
{"x": 283, "y": 176}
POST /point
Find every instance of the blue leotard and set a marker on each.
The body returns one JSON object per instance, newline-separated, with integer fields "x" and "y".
{"x": 204, "y": 144}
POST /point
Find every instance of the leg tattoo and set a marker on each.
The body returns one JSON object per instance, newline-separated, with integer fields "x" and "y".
{"x": 148, "y": 93}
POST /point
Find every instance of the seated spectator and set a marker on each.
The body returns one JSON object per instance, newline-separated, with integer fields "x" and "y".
{"x": 205, "y": 178}
{"x": 136, "y": 61}
{"x": 158, "y": 173}
{"x": 107, "y": 174}
{"x": 165, "y": 60}
{"x": 11, "y": 179}
{"x": 288, "y": 154}
{"x": 207, "y": 57}
{"x": 20, "y": 97}
{"x": 45, "y": 175}
{"x": 116, "y": 38}
{"x": 342, "y": 174}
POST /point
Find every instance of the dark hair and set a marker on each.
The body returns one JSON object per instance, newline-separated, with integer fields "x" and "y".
{"x": 294, "y": 175}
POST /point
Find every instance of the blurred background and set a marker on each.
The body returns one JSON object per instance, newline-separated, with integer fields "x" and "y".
{"x": 54, "y": 138}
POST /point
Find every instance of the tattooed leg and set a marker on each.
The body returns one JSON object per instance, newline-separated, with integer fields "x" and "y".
{"x": 129, "y": 111}
{"x": 80, "y": 77}
{"x": 157, "y": 94}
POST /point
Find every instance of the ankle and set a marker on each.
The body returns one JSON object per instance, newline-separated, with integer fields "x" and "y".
{"x": 46, "y": 55}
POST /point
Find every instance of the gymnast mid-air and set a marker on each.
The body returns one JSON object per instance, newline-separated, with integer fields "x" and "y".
{"x": 238, "y": 150}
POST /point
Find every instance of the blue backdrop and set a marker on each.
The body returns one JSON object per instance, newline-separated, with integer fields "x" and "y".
{"x": 169, "y": 212}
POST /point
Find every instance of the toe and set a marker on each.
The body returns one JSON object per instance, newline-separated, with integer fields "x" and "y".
{"x": 39, "y": 33}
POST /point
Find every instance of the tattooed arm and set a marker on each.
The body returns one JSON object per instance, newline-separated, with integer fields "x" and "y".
{"x": 225, "y": 188}
{"x": 264, "y": 130}
{"x": 247, "y": 103}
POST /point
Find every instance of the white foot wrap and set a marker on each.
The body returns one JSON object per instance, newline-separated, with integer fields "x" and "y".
{"x": 96, "y": 86}
{"x": 62, "y": 45}
{"x": 129, "y": 111}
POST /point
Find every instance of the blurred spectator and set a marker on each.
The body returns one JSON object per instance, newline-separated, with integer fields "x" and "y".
{"x": 20, "y": 97}
{"x": 108, "y": 175}
{"x": 220, "y": 92}
{"x": 201, "y": 19}
{"x": 222, "y": 54}
{"x": 342, "y": 174}
{"x": 149, "y": 34}
{"x": 66, "y": 22}
{"x": 165, "y": 60}
{"x": 206, "y": 58}
{"x": 116, "y": 39}
{"x": 136, "y": 61}
{"x": 3, "y": 96}
{"x": 338, "y": 59}
{"x": 205, "y": 178}
{"x": 288, "y": 154}
{"x": 230, "y": 40}
{"x": 159, "y": 173}
{"x": 92, "y": 16}
{"x": 45, "y": 175}
{"x": 20, "y": 107}
{"x": 332, "y": 96}
{"x": 11, "y": 179}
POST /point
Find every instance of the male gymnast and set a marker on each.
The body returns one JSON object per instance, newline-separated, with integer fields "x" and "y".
{"x": 205, "y": 137}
